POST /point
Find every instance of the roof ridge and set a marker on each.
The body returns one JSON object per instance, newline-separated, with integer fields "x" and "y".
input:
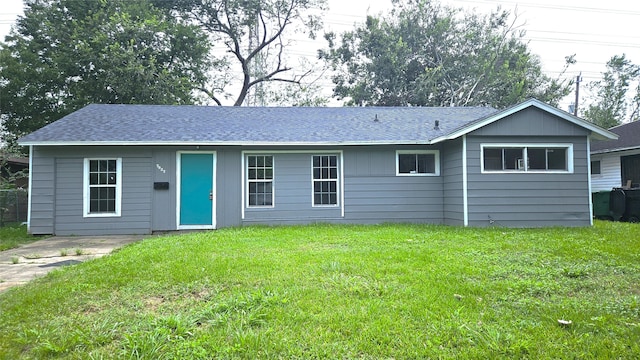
{"x": 296, "y": 107}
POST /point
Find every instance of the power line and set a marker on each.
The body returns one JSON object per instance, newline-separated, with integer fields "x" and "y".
{"x": 557, "y": 7}
{"x": 582, "y": 34}
{"x": 591, "y": 42}
{"x": 342, "y": 20}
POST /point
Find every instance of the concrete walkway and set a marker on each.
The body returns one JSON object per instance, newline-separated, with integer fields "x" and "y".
{"x": 20, "y": 265}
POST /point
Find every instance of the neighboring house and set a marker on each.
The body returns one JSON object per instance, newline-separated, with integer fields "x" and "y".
{"x": 121, "y": 169}
{"x": 14, "y": 170}
{"x": 617, "y": 163}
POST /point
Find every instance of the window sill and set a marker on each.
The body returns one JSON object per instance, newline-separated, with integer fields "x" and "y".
{"x": 526, "y": 172}
{"x": 419, "y": 174}
{"x": 102, "y": 215}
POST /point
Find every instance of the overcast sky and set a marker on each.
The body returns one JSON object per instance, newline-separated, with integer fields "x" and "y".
{"x": 594, "y": 30}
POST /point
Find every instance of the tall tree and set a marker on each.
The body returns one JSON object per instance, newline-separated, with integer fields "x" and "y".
{"x": 64, "y": 54}
{"x": 635, "y": 103}
{"x": 253, "y": 34}
{"x": 424, "y": 53}
{"x": 611, "y": 98}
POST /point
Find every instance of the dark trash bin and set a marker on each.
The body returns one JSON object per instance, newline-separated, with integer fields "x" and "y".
{"x": 600, "y": 202}
{"x": 624, "y": 204}
{"x": 632, "y": 211}
{"x": 617, "y": 204}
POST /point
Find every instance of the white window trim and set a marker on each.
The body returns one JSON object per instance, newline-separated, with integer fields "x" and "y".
{"x": 338, "y": 180}
{"x": 569, "y": 148}
{"x": 246, "y": 181}
{"x": 436, "y": 154}
{"x": 86, "y": 189}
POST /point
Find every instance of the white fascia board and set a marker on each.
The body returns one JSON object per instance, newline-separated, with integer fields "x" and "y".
{"x": 607, "y": 151}
{"x": 220, "y": 143}
{"x": 597, "y": 132}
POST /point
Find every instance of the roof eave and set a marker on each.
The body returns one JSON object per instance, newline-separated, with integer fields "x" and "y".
{"x": 596, "y": 131}
{"x": 605, "y": 151}
{"x": 222, "y": 143}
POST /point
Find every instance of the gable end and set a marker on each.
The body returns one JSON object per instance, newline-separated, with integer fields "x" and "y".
{"x": 531, "y": 121}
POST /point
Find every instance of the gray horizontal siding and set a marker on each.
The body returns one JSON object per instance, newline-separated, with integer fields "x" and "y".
{"x": 163, "y": 169}
{"x": 528, "y": 199}
{"x": 452, "y": 173}
{"x": 398, "y": 198}
{"x": 480, "y": 195}
{"x": 228, "y": 187}
{"x": 532, "y": 122}
{"x": 57, "y": 191}
{"x": 372, "y": 191}
{"x": 264, "y": 216}
{"x": 292, "y": 186}
{"x": 135, "y": 205}
{"x": 42, "y": 193}
{"x": 560, "y": 182}
{"x": 58, "y": 179}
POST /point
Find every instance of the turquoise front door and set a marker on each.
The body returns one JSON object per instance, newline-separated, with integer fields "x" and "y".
{"x": 197, "y": 195}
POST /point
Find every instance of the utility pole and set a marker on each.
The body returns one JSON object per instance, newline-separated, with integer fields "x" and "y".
{"x": 255, "y": 95}
{"x": 575, "y": 108}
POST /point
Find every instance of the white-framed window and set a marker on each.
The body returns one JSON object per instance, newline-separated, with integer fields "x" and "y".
{"x": 325, "y": 184}
{"x": 531, "y": 158}
{"x": 102, "y": 187}
{"x": 596, "y": 167}
{"x": 417, "y": 163}
{"x": 259, "y": 180}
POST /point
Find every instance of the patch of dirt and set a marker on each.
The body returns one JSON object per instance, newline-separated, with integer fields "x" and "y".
{"x": 152, "y": 303}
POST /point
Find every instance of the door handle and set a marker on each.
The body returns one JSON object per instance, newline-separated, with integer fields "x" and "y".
{"x": 210, "y": 194}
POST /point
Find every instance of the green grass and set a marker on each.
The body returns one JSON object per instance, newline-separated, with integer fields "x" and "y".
{"x": 366, "y": 292}
{"x": 12, "y": 236}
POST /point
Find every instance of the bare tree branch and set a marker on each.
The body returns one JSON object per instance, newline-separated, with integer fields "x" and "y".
{"x": 238, "y": 23}
{"x": 275, "y": 36}
{"x": 210, "y": 94}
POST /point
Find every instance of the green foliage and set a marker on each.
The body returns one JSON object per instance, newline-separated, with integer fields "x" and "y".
{"x": 424, "y": 53}
{"x": 254, "y": 36}
{"x": 611, "y": 99}
{"x": 366, "y": 292}
{"x": 65, "y": 54}
{"x": 290, "y": 94}
{"x": 8, "y": 175}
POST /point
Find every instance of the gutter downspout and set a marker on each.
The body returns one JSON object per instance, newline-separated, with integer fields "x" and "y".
{"x": 589, "y": 180}
{"x": 465, "y": 202}
{"x": 30, "y": 189}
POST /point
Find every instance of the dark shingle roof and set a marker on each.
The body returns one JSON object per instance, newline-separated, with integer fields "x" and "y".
{"x": 628, "y": 138}
{"x": 180, "y": 124}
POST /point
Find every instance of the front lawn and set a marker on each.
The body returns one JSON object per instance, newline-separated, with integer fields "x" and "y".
{"x": 366, "y": 292}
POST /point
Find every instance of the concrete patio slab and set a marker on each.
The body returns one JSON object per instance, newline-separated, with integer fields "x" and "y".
{"x": 23, "y": 264}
